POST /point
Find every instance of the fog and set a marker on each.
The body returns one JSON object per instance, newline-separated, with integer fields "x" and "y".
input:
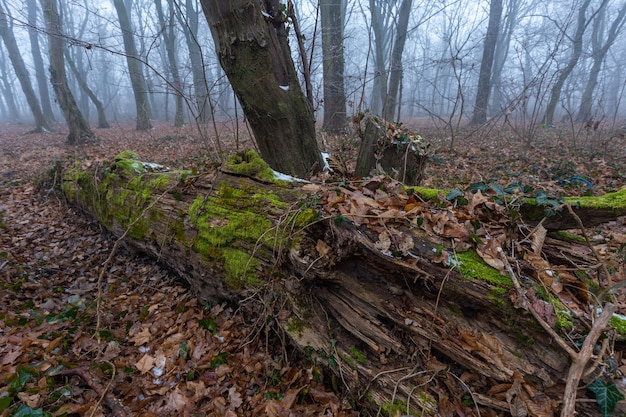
{"x": 552, "y": 63}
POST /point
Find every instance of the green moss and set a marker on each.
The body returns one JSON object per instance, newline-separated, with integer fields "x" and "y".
{"x": 616, "y": 200}
{"x": 429, "y": 194}
{"x": 177, "y": 230}
{"x": 306, "y": 217}
{"x": 250, "y": 164}
{"x": 471, "y": 265}
{"x": 569, "y": 237}
{"x": 295, "y": 325}
{"x": 398, "y": 408}
{"x": 618, "y": 322}
{"x": 240, "y": 267}
{"x": 126, "y": 155}
{"x": 563, "y": 319}
{"x": 357, "y": 355}
{"x": 159, "y": 182}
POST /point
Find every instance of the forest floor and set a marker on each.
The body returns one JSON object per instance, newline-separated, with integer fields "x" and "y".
{"x": 158, "y": 352}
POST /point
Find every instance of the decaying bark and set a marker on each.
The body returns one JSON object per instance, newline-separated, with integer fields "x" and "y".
{"x": 397, "y": 331}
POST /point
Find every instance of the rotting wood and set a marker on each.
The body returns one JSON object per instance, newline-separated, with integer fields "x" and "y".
{"x": 412, "y": 321}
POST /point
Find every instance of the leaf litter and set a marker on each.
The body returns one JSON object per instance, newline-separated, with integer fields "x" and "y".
{"x": 160, "y": 353}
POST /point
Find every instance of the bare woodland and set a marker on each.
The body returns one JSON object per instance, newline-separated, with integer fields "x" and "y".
{"x": 406, "y": 207}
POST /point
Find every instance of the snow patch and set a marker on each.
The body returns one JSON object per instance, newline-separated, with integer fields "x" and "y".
{"x": 284, "y": 87}
{"x": 284, "y": 177}
{"x": 326, "y": 157}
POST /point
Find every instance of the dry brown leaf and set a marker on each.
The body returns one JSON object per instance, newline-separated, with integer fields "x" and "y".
{"x": 145, "y": 363}
{"x": 234, "y": 398}
{"x": 384, "y": 242}
{"x": 538, "y": 238}
{"x": 322, "y": 248}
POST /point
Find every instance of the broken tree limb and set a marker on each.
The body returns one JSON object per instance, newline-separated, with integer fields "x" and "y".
{"x": 383, "y": 299}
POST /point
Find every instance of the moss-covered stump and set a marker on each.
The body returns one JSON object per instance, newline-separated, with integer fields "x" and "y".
{"x": 403, "y": 336}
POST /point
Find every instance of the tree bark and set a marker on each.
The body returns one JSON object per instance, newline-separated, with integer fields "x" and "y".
{"x": 392, "y": 95}
{"x": 393, "y": 328}
{"x": 190, "y": 25}
{"x": 6, "y": 33}
{"x": 484, "y": 76}
{"x": 251, "y": 43}
{"x": 137, "y": 79}
{"x": 332, "y": 17}
{"x": 40, "y": 72}
{"x": 577, "y": 48}
{"x": 80, "y": 132}
{"x": 600, "y": 48}
{"x": 169, "y": 38}
{"x": 102, "y": 118}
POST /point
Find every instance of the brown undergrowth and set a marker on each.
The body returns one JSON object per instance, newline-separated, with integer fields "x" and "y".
{"x": 157, "y": 352}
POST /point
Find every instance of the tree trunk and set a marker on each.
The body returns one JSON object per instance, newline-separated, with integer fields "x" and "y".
{"x": 600, "y": 48}
{"x": 204, "y": 112}
{"x": 7, "y": 91}
{"x": 332, "y": 17}
{"x": 397, "y": 327}
{"x": 6, "y": 33}
{"x": 484, "y": 76}
{"x": 40, "y": 72}
{"x": 251, "y": 43}
{"x": 391, "y": 101}
{"x": 169, "y": 38}
{"x": 379, "y": 11}
{"x": 577, "y": 45}
{"x": 137, "y": 79}
{"x": 102, "y": 119}
{"x": 80, "y": 132}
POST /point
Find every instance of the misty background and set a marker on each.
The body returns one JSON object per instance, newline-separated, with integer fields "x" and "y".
{"x": 524, "y": 64}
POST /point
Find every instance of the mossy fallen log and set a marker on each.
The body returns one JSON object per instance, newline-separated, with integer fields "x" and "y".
{"x": 402, "y": 333}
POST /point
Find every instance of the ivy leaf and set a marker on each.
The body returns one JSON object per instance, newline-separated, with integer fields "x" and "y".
{"x": 607, "y": 395}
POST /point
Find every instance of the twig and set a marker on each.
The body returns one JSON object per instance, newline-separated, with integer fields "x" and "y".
{"x": 580, "y": 361}
{"x": 593, "y": 250}
{"x": 117, "y": 409}
{"x": 113, "y": 251}
{"x": 527, "y": 305}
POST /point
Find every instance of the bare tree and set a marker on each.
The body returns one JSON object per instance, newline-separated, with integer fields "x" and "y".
{"x": 7, "y": 89}
{"x": 484, "y": 76}
{"x": 582, "y": 22}
{"x": 251, "y": 43}
{"x": 391, "y": 99}
{"x": 190, "y": 26}
{"x": 102, "y": 119}
{"x": 80, "y": 132}
{"x": 40, "y": 71}
{"x": 6, "y": 33}
{"x": 599, "y": 51}
{"x": 169, "y": 37}
{"x": 332, "y": 15}
{"x": 137, "y": 79}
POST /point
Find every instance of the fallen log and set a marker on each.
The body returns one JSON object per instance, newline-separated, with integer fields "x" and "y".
{"x": 387, "y": 301}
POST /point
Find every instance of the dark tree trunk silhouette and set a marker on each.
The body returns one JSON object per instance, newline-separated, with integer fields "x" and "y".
{"x": 392, "y": 96}
{"x": 137, "y": 79}
{"x": 80, "y": 132}
{"x": 190, "y": 25}
{"x": 251, "y": 43}
{"x": 102, "y": 119}
{"x": 577, "y": 48}
{"x": 484, "y": 76}
{"x": 169, "y": 37}
{"x": 600, "y": 47}
{"x": 332, "y": 17}
{"x": 6, "y": 33}
{"x": 40, "y": 71}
